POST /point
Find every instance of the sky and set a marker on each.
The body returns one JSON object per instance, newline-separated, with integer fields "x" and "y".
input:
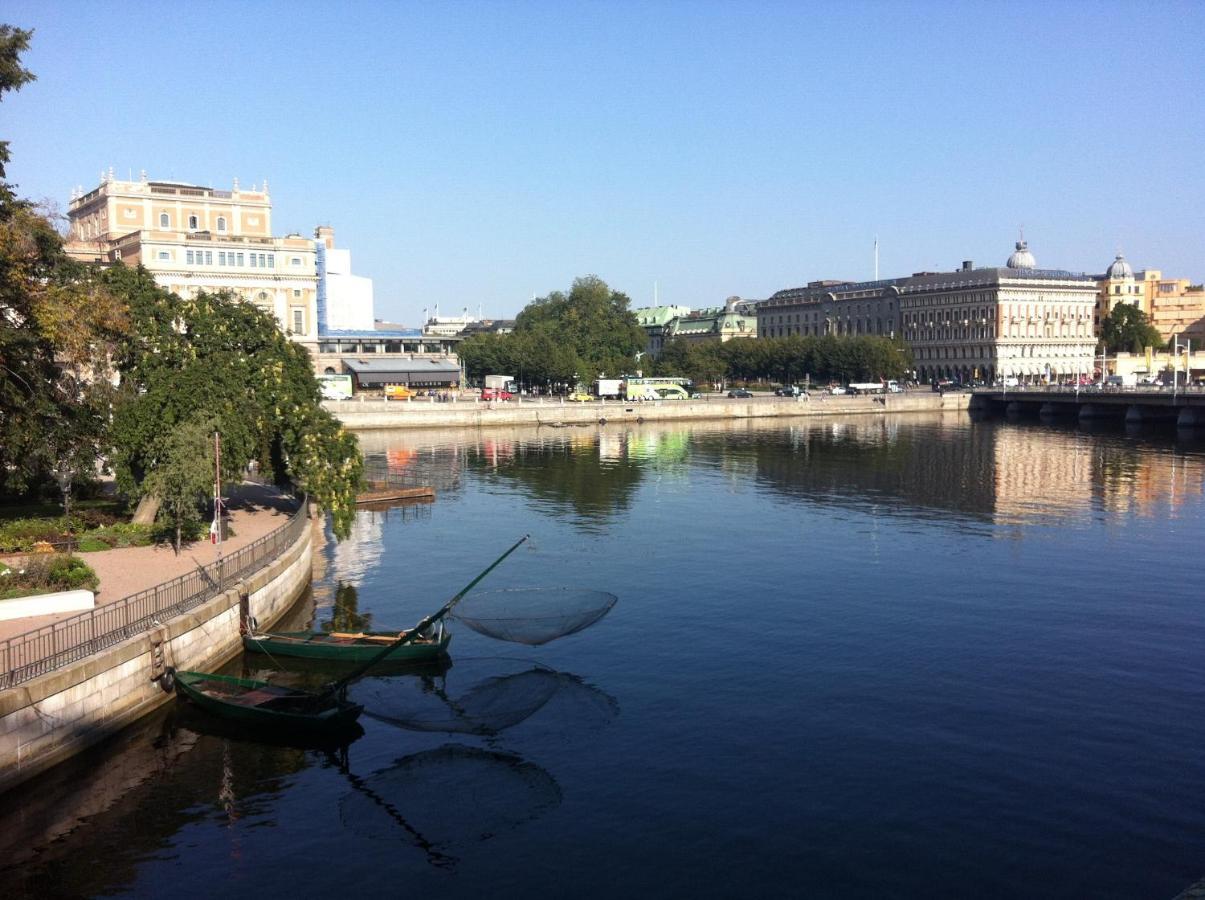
{"x": 474, "y": 155}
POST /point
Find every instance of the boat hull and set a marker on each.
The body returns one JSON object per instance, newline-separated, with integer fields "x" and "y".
{"x": 319, "y": 645}
{"x": 258, "y": 704}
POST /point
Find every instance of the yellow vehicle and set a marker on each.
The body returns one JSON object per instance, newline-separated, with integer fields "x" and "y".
{"x": 579, "y": 397}
{"x": 399, "y": 392}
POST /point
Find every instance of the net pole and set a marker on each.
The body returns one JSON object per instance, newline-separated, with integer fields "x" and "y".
{"x": 410, "y": 635}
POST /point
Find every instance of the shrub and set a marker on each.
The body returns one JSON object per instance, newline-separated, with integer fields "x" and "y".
{"x": 46, "y": 573}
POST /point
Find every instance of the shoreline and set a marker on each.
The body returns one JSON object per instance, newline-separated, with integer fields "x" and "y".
{"x": 369, "y": 415}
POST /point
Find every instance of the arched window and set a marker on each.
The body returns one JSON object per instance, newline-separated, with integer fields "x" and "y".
{"x": 330, "y": 371}
{"x": 165, "y": 221}
{"x": 222, "y": 223}
{"x": 192, "y": 223}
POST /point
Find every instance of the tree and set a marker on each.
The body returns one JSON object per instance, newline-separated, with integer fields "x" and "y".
{"x": 219, "y": 357}
{"x": 13, "y": 76}
{"x": 592, "y": 321}
{"x": 58, "y": 329}
{"x": 183, "y": 476}
{"x": 1127, "y": 328}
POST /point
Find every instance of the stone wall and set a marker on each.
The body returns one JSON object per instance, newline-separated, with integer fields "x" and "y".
{"x": 368, "y": 414}
{"x": 50, "y": 718}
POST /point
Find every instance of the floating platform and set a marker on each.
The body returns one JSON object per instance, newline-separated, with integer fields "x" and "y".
{"x": 395, "y": 495}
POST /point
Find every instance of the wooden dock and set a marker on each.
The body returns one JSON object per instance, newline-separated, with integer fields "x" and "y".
{"x": 395, "y": 495}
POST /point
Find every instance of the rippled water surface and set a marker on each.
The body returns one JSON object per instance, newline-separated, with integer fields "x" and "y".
{"x": 903, "y": 657}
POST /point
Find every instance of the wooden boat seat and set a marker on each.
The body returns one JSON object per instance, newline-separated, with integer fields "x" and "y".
{"x": 361, "y": 636}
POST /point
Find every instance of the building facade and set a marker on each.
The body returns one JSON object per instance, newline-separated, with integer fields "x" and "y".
{"x": 736, "y": 319}
{"x": 1014, "y": 321}
{"x": 192, "y": 238}
{"x": 654, "y": 319}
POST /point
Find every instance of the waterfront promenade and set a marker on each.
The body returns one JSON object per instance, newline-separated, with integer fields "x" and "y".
{"x": 73, "y": 681}
{"x": 360, "y": 414}
{"x": 254, "y": 511}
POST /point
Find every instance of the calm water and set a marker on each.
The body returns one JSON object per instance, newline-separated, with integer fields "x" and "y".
{"x": 909, "y": 657}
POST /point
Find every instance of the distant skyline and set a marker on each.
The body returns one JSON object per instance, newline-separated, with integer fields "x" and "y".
{"x": 476, "y": 154}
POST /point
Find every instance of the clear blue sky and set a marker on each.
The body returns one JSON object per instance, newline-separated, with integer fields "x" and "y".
{"x": 480, "y": 153}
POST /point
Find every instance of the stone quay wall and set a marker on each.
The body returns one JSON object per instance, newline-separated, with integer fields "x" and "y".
{"x": 48, "y": 719}
{"x": 371, "y": 414}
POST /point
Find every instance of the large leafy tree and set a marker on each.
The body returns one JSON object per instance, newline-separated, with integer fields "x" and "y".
{"x": 562, "y": 338}
{"x": 58, "y": 328}
{"x": 217, "y": 357}
{"x": 1127, "y": 329}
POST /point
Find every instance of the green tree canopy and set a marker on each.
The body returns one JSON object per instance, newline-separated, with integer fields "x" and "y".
{"x": 561, "y": 338}
{"x": 221, "y": 358}
{"x": 1126, "y": 329}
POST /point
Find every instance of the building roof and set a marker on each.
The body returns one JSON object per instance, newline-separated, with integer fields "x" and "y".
{"x": 374, "y": 334}
{"x": 1021, "y": 258}
{"x": 1120, "y": 269}
{"x": 386, "y": 369}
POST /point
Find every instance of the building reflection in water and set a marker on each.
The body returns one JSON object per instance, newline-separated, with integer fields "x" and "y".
{"x": 941, "y": 467}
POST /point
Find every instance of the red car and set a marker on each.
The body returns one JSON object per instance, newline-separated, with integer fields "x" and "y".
{"x": 496, "y": 394}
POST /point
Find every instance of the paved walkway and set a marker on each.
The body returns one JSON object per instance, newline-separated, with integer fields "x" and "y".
{"x": 255, "y": 510}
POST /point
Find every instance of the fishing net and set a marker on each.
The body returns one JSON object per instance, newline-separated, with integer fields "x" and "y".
{"x": 449, "y": 797}
{"x": 475, "y": 696}
{"x": 533, "y": 615}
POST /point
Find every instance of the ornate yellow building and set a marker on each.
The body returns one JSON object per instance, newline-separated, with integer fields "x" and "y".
{"x": 193, "y": 238}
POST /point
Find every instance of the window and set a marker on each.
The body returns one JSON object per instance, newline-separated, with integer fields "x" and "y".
{"x": 165, "y": 221}
{"x": 296, "y": 292}
{"x": 222, "y": 223}
{"x": 295, "y": 261}
{"x": 271, "y": 260}
{"x": 209, "y": 257}
{"x": 165, "y": 254}
{"x": 221, "y": 257}
{"x": 252, "y": 260}
{"x": 298, "y": 321}
{"x": 192, "y": 223}
{"x": 189, "y": 257}
{"x": 240, "y": 259}
{"x": 263, "y": 261}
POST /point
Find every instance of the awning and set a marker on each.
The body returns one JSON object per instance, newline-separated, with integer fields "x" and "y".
{"x": 378, "y": 372}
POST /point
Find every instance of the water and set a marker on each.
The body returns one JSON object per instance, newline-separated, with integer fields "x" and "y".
{"x": 903, "y": 657}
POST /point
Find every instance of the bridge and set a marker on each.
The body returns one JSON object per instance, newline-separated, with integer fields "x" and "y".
{"x": 1185, "y": 407}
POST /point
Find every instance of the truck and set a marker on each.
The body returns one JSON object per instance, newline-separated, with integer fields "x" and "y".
{"x": 867, "y": 387}
{"x": 502, "y": 383}
{"x": 611, "y": 388}
{"x": 1129, "y": 379}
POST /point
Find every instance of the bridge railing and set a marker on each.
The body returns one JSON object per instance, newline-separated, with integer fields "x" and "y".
{"x": 53, "y": 646}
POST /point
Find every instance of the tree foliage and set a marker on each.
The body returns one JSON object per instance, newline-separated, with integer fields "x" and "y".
{"x": 219, "y": 357}
{"x": 787, "y": 360}
{"x": 582, "y": 333}
{"x": 183, "y": 478}
{"x": 1127, "y": 329}
{"x": 13, "y": 76}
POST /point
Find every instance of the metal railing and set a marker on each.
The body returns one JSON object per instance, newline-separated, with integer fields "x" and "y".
{"x": 50, "y": 647}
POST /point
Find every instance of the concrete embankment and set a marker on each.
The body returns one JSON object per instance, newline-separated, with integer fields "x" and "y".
{"x": 370, "y": 414}
{"x": 49, "y": 718}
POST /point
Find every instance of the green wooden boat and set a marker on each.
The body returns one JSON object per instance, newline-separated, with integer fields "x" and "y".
{"x": 260, "y": 704}
{"x": 349, "y": 647}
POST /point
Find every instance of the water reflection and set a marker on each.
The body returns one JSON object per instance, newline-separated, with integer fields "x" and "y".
{"x": 941, "y": 468}
{"x": 447, "y": 798}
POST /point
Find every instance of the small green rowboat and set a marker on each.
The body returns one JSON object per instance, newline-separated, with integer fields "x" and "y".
{"x": 260, "y": 704}
{"x": 349, "y": 647}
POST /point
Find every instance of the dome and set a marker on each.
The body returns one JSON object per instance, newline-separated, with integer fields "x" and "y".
{"x": 1021, "y": 258}
{"x": 1120, "y": 269}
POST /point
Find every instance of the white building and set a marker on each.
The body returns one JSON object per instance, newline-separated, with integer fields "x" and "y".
{"x": 345, "y": 301}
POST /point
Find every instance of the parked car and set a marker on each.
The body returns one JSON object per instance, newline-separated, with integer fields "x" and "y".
{"x": 579, "y": 397}
{"x": 740, "y": 394}
{"x": 789, "y": 390}
{"x": 836, "y": 389}
{"x": 496, "y": 394}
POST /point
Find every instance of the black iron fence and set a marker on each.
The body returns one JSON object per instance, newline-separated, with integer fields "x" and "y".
{"x": 35, "y": 653}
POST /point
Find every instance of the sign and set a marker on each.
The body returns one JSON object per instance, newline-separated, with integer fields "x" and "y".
{"x": 334, "y": 387}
